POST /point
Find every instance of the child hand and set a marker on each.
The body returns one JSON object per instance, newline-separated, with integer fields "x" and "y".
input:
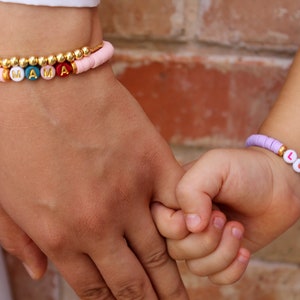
{"x": 252, "y": 186}
{"x": 215, "y": 252}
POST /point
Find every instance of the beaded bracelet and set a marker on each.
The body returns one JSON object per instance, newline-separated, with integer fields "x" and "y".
{"x": 289, "y": 156}
{"x": 61, "y": 65}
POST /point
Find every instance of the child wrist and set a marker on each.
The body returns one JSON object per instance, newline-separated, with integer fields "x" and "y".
{"x": 263, "y": 141}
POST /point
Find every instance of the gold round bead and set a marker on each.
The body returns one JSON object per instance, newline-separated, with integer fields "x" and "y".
{"x": 86, "y": 51}
{"x": 42, "y": 61}
{"x": 70, "y": 56}
{"x": 52, "y": 60}
{"x": 60, "y": 58}
{"x": 282, "y": 150}
{"x": 6, "y": 63}
{"x": 14, "y": 61}
{"x": 23, "y": 62}
{"x": 78, "y": 53}
{"x": 0, "y": 62}
{"x": 33, "y": 60}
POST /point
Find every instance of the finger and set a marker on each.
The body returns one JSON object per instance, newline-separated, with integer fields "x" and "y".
{"x": 197, "y": 189}
{"x": 170, "y": 222}
{"x": 122, "y": 271}
{"x": 235, "y": 271}
{"x": 83, "y": 276}
{"x": 167, "y": 176}
{"x": 198, "y": 245}
{"x": 223, "y": 256}
{"x": 16, "y": 242}
{"x": 152, "y": 253}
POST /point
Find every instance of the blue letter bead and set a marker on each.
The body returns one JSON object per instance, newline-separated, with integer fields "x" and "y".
{"x": 32, "y": 72}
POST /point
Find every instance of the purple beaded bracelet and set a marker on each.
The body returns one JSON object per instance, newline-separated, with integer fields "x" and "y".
{"x": 289, "y": 156}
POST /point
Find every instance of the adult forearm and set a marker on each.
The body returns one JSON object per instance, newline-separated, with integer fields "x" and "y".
{"x": 38, "y": 30}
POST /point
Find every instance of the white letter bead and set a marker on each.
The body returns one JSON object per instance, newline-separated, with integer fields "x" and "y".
{"x": 16, "y": 74}
{"x": 290, "y": 156}
{"x": 296, "y": 165}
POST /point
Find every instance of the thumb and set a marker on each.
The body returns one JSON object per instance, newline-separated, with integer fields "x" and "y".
{"x": 198, "y": 187}
{"x": 16, "y": 242}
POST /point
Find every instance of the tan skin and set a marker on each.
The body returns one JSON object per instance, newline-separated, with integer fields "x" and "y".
{"x": 66, "y": 161}
{"x": 79, "y": 167}
{"x": 252, "y": 186}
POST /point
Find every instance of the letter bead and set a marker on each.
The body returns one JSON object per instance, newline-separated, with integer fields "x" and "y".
{"x": 32, "y": 73}
{"x": 48, "y": 72}
{"x": 17, "y": 74}
{"x": 296, "y": 166}
{"x": 63, "y": 69}
{"x": 290, "y": 156}
{"x": 2, "y": 79}
{"x": 5, "y": 74}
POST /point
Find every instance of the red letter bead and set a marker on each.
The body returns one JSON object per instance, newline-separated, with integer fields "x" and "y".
{"x": 63, "y": 69}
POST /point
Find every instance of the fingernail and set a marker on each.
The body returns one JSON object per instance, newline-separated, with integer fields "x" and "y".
{"x": 236, "y": 232}
{"x": 219, "y": 222}
{"x": 192, "y": 221}
{"x": 29, "y": 271}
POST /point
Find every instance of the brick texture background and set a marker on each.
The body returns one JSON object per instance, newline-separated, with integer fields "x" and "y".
{"x": 206, "y": 72}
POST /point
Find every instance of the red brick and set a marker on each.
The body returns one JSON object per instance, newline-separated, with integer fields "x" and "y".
{"x": 202, "y": 100}
{"x": 267, "y": 23}
{"x": 135, "y": 18}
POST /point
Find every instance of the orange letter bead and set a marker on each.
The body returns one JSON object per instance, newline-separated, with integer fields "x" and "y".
{"x": 63, "y": 69}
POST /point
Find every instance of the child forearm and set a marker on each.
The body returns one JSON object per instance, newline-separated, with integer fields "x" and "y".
{"x": 283, "y": 121}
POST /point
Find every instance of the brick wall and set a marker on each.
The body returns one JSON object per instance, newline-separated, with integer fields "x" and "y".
{"x": 206, "y": 72}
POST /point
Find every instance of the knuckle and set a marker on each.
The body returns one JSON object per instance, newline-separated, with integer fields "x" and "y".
{"x": 194, "y": 267}
{"x": 96, "y": 293}
{"x": 158, "y": 258}
{"x": 133, "y": 290}
{"x": 55, "y": 241}
{"x": 209, "y": 244}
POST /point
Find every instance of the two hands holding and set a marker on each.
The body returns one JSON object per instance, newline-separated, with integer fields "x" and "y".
{"x": 84, "y": 175}
{"x": 78, "y": 178}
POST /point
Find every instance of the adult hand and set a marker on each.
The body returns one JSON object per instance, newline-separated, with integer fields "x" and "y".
{"x": 80, "y": 163}
{"x": 79, "y": 166}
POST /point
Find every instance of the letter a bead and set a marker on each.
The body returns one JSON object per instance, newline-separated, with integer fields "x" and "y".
{"x": 64, "y": 69}
{"x": 32, "y": 73}
{"x": 16, "y": 74}
{"x": 290, "y": 156}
